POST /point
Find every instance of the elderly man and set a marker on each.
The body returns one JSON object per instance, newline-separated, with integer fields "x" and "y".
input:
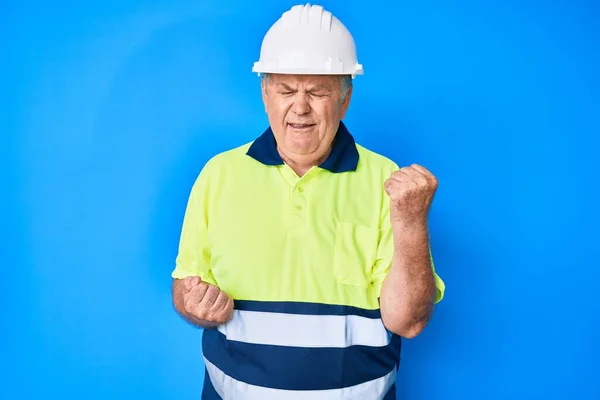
{"x": 303, "y": 255}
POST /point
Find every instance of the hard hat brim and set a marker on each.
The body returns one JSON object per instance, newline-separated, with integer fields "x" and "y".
{"x": 260, "y": 69}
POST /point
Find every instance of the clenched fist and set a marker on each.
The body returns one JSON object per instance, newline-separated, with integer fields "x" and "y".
{"x": 206, "y": 304}
{"x": 411, "y": 190}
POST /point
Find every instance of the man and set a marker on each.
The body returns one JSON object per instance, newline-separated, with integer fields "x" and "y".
{"x": 304, "y": 255}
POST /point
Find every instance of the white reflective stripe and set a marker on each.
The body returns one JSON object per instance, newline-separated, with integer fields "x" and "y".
{"x": 231, "y": 389}
{"x": 305, "y": 330}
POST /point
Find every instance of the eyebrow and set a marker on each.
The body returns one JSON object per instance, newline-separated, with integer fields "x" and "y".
{"x": 286, "y": 87}
{"x": 320, "y": 87}
{"x": 315, "y": 88}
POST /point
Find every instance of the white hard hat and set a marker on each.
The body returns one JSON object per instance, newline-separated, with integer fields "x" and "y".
{"x": 308, "y": 40}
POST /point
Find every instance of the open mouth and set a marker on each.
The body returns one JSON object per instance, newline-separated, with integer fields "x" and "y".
{"x": 301, "y": 126}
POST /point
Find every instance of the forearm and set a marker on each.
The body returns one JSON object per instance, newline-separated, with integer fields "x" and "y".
{"x": 178, "y": 303}
{"x": 408, "y": 292}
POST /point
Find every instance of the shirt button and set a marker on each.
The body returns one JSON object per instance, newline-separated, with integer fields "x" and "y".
{"x": 298, "y": 207}
{"x": 301, "y": 189}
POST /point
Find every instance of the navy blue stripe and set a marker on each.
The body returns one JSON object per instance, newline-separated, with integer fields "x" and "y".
{"x": 299, "y": 368}
{"x": 208, "y": 391}
{"x": 287, "y": 307}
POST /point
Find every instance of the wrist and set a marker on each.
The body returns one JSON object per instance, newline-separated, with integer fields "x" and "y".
{"x": 413, "y": 225}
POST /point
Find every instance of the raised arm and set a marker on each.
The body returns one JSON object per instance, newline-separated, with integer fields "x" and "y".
{"x": 409, "y": 291}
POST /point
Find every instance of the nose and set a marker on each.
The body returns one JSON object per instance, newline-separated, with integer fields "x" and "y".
{"x": 301, "y": 105}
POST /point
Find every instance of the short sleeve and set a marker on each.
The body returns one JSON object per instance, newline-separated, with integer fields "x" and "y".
{"x": 193, "y": 257}
{"x": 385, "y": 252}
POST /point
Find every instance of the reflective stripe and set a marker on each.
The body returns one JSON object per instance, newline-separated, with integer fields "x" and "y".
{"x": 288, "y": 347}
{"x": 231, "y": 389}
{"x": 299, "y": 368}
{"x": 305, "y": 330}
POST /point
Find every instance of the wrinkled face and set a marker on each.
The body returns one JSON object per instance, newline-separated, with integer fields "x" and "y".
{"x": 304, "y": 112}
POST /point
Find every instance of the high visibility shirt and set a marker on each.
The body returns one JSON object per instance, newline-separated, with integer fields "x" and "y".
{"x": 304, "y": 259}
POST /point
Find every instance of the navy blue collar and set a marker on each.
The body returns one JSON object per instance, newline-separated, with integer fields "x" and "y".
{"x": 343, "y": 156}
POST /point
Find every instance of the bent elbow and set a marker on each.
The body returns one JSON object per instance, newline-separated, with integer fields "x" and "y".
{"x": 412, "y": 331}
{"x": 405, "y": 329}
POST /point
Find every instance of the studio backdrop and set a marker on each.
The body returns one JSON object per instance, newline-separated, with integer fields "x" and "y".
{"x": 111, "y": 108}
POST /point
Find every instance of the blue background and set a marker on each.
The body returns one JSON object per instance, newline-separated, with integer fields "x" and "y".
{"x": 109, "y": 110}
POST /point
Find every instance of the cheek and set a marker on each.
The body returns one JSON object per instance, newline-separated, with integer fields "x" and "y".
{"x": 328, "y": 117}
{"x": 324, "y": 113}
{"x": 278, "y": 110}
{"x": 327, "y": 109}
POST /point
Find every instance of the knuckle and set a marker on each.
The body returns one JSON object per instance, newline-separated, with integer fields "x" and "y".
{"x": 202, "y": 313}
{"x": 407, "y": 186}
{"x": 187, "y": 305}
{"x": 226, "y": 316}
{"x": 209, "y": 295}
{"x": 212, "y": 290}
{"x": 203, "y": 316}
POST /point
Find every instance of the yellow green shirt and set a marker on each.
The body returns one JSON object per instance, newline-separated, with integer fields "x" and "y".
{"x": 304, "y": 259}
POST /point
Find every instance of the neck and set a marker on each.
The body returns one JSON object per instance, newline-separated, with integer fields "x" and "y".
{"x": 301, "y": 165}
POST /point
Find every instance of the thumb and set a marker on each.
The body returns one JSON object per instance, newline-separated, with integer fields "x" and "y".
{"x": 191, "y": 281}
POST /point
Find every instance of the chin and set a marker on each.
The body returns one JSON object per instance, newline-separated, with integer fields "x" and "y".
{"x": 302, "y": 146}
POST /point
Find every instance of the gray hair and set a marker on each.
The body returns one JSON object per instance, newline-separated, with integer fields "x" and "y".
{"x": 345, "y": 84}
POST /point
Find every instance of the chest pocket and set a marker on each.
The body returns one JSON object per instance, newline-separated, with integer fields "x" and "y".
{"x": 354, "y": 253}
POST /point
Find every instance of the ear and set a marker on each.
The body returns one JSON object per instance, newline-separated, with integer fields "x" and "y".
{"x": 263, "y": 89}
{"x": 346, "y": 102}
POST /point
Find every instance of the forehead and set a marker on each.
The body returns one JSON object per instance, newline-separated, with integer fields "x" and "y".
{"x": 330, "y": 81}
